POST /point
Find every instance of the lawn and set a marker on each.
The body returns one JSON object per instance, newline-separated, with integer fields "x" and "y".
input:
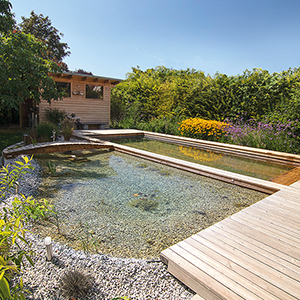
{"x": 10, "y": 136}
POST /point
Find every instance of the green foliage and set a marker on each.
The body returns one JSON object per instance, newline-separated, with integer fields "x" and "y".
{"x": 168, "y": 125}
{"x": 7, "y": 20}
{"x": 277, "y": 136}
{"x": 51, "y": 167}
{"x": 55, "y": 115}
{"x": 121, "y": 298}
{"x": 24, "y": 71}
{"x": 10, "y": 174}
{"x": 146, "y": 98}
{"x": 14, "y": 247}
{"x": 87, "y": 238}
{"x": 43, "y": 132}
{"x": 9, "y": 137}
{"x": 67, "y": 126}
{"x": 162, "y": 92}
{"x": 41, "y": 27}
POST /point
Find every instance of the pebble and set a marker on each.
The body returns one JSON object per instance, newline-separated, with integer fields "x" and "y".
{"x": 112, "y": 277}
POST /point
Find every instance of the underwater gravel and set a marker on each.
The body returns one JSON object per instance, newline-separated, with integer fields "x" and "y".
{"x": 135, "y": 278}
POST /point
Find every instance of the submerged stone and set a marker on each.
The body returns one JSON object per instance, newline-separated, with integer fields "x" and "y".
{"x": 144, "y": 204}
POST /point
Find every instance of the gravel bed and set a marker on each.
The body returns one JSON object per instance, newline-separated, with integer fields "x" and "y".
{"x": 111, "y": 277}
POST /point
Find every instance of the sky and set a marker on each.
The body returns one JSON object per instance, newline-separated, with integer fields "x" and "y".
{"x": 110, "y": 37}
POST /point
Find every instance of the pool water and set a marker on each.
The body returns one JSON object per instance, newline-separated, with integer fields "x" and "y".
{"x": 240, "y": 165}
{"x": 120, "y": 205}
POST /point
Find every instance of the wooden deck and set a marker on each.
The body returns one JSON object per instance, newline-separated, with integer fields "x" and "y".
{"x": 254, "y": 254}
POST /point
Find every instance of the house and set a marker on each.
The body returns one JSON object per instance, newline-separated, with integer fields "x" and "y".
{"x": 86, "y": 96}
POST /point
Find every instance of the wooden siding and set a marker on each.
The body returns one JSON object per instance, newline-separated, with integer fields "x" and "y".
{"x": 88, "y": 110}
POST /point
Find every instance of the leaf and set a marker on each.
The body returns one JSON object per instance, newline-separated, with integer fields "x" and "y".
{"x": 4, "y": 289}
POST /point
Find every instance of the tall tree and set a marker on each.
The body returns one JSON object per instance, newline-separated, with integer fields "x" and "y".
{"x": 24, "y": 71}
{"x": 41, "y": 27}
{"x": 7, "y": 20}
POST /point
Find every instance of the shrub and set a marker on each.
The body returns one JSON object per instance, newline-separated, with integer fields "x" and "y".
{"x": 55, "y": 115}
{"x": 14, "y": 247}
{"x": 67, "y": 127}
{"x": 277, "y": 136}
{"x": 43, "y": 132}
{"x": 168, "y": 125}
{"x": 203, "y": 129}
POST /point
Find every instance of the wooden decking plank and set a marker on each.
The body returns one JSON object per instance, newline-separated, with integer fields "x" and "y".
{"x": 271, "y": 209}
{"x": 258, "y": 254}
{"x": 289, "y": 195}
{"x": 272, "y": 214}
{"x": 285, "y": 202}
{"x": 262, "y": 237}
{"x": 288, "y": 239}
{"x": 282, "y": 205}
{"x": 280, "y": 210}
{"x": 260, "y": 269}
{"x": 260, "y": 244}
{"x": 260, "y": 216}
{"x": 266, "y": 224}
{"x": 195, "y": 278}
{"x": 248, "y": 280}
{"x": 217, "y": 274}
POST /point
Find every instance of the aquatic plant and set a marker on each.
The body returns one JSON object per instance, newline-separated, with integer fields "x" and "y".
{"x": 75, "y": 284}
{"x": 87, "y": 238}
{"x": 144, "y": 204}
{"x": 164, "y": 173}
{"x": 142, "y": 166}
{"x": 51, "y": 167}
{"x": 57, "y": 219}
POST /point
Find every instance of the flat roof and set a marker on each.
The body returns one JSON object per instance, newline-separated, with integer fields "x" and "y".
{"x": 94, "y": 78}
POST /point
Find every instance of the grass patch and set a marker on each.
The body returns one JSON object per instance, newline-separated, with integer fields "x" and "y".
{"x": 10, "y": 136}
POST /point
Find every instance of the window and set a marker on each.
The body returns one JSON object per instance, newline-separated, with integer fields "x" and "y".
{"x": 64, "y": 88}
{"x": 94, "y": 91}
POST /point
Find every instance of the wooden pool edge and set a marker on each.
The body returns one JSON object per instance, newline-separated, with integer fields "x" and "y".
{"x": 225, "y": 176}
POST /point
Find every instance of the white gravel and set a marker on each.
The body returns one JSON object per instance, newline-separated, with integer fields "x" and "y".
{"x": 111, "y": 277}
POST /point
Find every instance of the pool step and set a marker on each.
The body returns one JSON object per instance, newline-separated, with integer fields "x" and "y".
{"x": 288, "y": 178}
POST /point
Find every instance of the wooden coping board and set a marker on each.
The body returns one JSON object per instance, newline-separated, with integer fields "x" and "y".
{"x": 254, "y": 254}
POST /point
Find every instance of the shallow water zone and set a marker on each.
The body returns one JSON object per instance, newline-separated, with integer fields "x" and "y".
{"x": 241, "y": 165}
{"x": 128, "y": 207}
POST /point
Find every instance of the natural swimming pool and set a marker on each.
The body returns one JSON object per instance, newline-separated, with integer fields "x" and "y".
{"x": 241, "y": 165}
{"x": 128, "y": 207}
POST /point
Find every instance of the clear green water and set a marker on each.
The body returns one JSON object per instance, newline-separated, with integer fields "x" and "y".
{"x": 249, "y": 167}
{"x": 128, "y": 207}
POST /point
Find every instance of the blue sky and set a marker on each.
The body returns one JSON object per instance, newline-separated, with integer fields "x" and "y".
{"x": 226, "y": 36}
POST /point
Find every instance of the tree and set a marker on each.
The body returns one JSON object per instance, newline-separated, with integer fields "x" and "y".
{"x": 7, "y": 20}
{"x": 41, "y": 27}
{"x": 24, "y": 71}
